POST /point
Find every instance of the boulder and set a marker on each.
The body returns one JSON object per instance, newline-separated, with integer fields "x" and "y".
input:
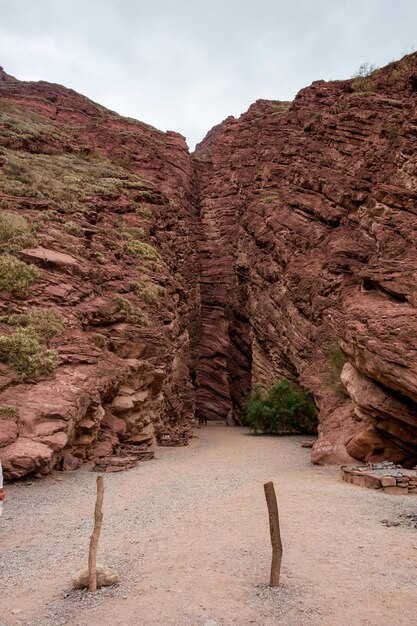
{"x": 105, "y": 578}
{"x": 52, "y": 258}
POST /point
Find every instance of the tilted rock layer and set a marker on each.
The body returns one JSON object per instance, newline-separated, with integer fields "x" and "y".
{"x": 183, "y": 280}
{"x": 111, "y": 203}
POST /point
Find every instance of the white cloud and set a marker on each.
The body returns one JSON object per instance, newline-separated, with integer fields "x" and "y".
{"x": 186, "y": 65}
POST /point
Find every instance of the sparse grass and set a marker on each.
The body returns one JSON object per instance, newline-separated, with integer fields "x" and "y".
{"x": 270, "y": 198}
{"x": 100, "y": 258}
{"x": 143, "y": 209}
{"x": 9, "y": 412}
{"x": 153, "y": 266}
{"x": 23, "y": 353}
{"x": 314, "y": 118}
{"x": 362, "y": 84}
{"x": 342, "y": 106}
{"x": 15, "y": 275}
{"x": 281, "y": 108}
{"x": 131, "y": 312}
{"x": 400, "y": 70}
{"x": 70, "y": 182}
{"x": 142, "y": 250}
{"x": 49, "y": 216}
{"x": 99, "y": 340}
{"x": 47, "y": 323}
{"x": 72, "y": 228}
{"x": 15, "y": 232}
{"x": 391, "y": 132}
{"x": 66, "y": 241}
{"x": 334, "y": 365}
{"x": 30, "y": 131}
{"x": 113, "y": 245}
{"x": 135, "y": 232}
{"x": 148, "y": 292}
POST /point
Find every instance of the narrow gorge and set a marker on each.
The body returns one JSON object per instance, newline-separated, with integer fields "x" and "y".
{"x": 179, "y": 281}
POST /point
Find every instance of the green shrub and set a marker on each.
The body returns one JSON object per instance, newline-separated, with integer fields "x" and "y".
{"x": 8, "y": 412}
{"x": 131, "y": 311}
{"x": 314, "y": 118}
{"x": 391, "y": 132}
{"x": 136, "y": 232}
{"x": 362, "y": 84}
{"x": 100, "y": 258}
{"x": 269, "y": 198}
{"x": 47, "y": 323}
{"x": 16, "y": 276}
{"x": 142, "y": 250}
{"x": 72, "y": 228}
{"x": 23, "y": 353}
{"x": 15, "y": 232}
{"x": 99, "y": 340}
{"x": 143, "y": 209}
{"x": 335, "y": 362}
{"x": 147, "y": 292}
{"x": 283, "y": 408}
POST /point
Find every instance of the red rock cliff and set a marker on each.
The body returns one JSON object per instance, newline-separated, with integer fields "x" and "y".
{"x": 180, "y": 281}
{"x": 103, "y": 206}
{"x": 309, "y": 241}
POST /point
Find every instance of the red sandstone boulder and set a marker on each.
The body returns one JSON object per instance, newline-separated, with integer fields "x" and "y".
{"x": 23, "y": 457}
{"x": 52, "y": 258}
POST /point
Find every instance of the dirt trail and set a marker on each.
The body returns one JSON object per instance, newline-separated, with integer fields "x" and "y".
{"x": 189, "y": 535}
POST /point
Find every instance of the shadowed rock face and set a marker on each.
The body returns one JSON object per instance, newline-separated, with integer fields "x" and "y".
{"x": 184, "y": 280}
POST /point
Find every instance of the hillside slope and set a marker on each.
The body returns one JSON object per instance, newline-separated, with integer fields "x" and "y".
{"x": 103, "y": 206}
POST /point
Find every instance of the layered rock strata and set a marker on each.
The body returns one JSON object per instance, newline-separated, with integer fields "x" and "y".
{"x": 181, "y": 281}
{"x": 309, "y": 242}
{"x": 109, "y": 217}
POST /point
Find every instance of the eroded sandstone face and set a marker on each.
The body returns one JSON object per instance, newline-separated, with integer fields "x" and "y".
{"x": 309, "y": 219}
{"x": 182, "y": 280}
{"x": 112, "y": 202}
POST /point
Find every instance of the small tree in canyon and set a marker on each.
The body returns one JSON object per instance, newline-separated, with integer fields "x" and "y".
{"x": 284, "y": 408}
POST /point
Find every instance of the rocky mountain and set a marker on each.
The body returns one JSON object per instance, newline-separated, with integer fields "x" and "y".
{"x": 141, "y": 285}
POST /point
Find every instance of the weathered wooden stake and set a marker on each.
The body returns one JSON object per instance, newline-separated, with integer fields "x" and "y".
{"x": 98, "y": 518}
{"x": 271, "y": 501}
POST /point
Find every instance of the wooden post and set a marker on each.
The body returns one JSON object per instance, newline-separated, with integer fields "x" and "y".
{"x": 271, "y": 501}
{"x": 98, "y": 518}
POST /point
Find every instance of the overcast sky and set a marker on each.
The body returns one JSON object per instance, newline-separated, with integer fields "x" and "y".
{"x": 185, "y": 65}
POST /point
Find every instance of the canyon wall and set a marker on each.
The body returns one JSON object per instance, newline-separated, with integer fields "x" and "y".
{"x": 309, "y": 221}
{"x": 179, "y": 281}
{"x": 104, "y": 207}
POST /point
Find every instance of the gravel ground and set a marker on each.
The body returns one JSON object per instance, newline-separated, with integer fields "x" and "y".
{"x": 188, "y": 534}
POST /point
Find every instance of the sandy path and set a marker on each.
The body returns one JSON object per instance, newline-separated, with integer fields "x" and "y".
{"x": 189, "y": 535}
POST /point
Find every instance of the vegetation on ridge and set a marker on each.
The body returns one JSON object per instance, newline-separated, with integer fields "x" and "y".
{"x": 334, "y": 365}
{"x": 15, "y": 275}
{"x": 47, "y": 323}
{"x": 23, "y": 353}
{"x": 15, "y": 232}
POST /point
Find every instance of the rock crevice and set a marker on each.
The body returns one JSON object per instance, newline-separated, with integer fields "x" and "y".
{"x": 183, "y": 280}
